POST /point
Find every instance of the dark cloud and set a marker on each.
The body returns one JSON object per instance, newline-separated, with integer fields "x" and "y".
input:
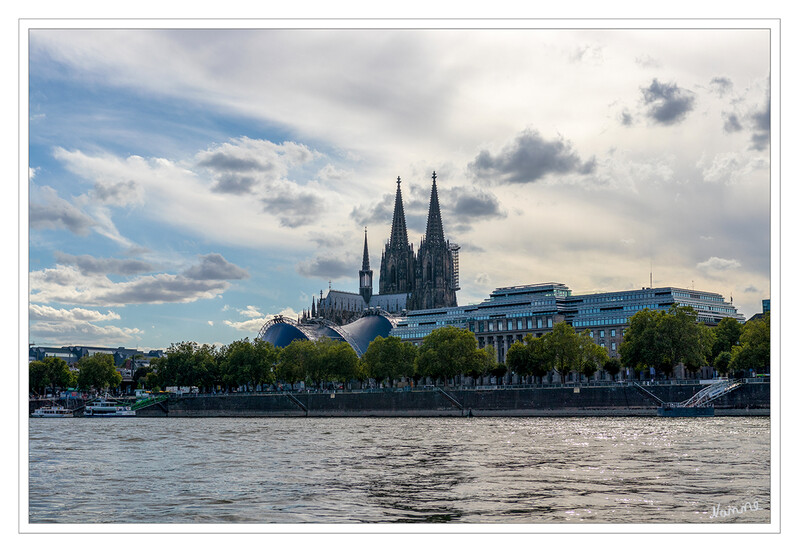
{"x": 88, "y": 265}
{"x": 294, "y": 210}
{"x": 625, "y": 118}
{"x": 668, "y": 103}
{"x": 380, "y": 213}
{"x": 329, "y": 267}
{"x": 732, "y": 124}
{"x": 58, "y": 213}
{"x": 529, "y": 158}
{"x": 225, "y": 162}
{"x": 234, "y": 184}
{"x": 472, "y": 204}
{"x": 121, "y": 192}
{"x": 721, "y": 85}
{"x": 214, "y": 267}
{"x": 761, "y": 138}
{"x": 161, "y": 288}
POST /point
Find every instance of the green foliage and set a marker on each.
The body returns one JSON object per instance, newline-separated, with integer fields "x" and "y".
{"x": 665, "y": 339}
{"x": 52, "y": 373}
{"x": 243, "y": 363}
{"x": 726, "y": 336}
{"x": 722, "y": 362}
{"x": 612, "y": 366}
{"x": 591, "y": 355}
{"x": 447, "y": 352}
{"x": 564, "y": 346}
{"x": 98, "y": 372}
{"x": 388, "y": 358}
{"x": 754, "y": 352}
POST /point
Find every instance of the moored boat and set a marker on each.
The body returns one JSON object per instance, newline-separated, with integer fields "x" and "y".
{"x": 52, "y": 411}
{"x": 106, "y": 407}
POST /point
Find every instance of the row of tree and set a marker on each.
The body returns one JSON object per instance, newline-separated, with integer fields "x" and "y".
{"x": 662, "y": 340}
{"x": 562, "y": 350}
{"x": 52, "y": 373}
{"x": 656, "y": 339}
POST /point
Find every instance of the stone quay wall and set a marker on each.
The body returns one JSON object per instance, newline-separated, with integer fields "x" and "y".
{"x": 612, "y": 400}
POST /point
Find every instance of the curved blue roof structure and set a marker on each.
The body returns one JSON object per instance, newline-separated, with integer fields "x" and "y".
{"x": 358, "y": 334}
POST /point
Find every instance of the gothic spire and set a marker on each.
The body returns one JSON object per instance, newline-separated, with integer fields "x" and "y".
{"x": 399, "y": 233}
{"x": 435, "y": 229}
{"x": 365, "y": 252}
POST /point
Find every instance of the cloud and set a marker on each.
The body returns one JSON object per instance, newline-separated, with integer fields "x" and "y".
{"x": 761, "y": 137}
{"x": 251, "y": 312}
{"x": 254, "y": 324}
{"x": 87, "y": 264}
{"x": 44, "y": 312}
{"x": 328, "y": 266}
{"x": 294, "y": 209}
{"x": 529, "y": 158}
{"x": 81, "y": 332}
{"x": 721, "y": 85}
{"x": 732, "y": 124}
{"x": 647, "y": 62}
{"x": 234, "y": 184}
{"x": 57, "y": 213}
{"x": 72, "y": 326}
{"x": 68, "y": 285}
{"x": 668, "y": 103}
{"x": 120, "y": 193}
{"x": 717, "y": 264}
{"x": 625, "y": 118}
{"x": 246, "y": 165}
{"x": 214, "y": 267}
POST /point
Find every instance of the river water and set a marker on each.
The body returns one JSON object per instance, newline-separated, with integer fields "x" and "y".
{"x": 407, "y": 470}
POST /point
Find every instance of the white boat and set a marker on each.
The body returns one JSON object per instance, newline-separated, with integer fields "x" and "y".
{"x": 107, "y": 408}
{"x": 53, "y": 411}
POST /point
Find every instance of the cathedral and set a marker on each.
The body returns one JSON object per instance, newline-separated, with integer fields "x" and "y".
{"x": 427, "y": 279}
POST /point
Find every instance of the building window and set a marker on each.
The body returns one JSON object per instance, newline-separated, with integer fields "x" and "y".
{"x": 549, "y": 322}
{"x": 529, "y": 323}
{"x": 510, "y": 324}
{"x": 612, "y": 333}
{"x": 601, "y": 333}
{"x": 591, "y": 334}
{"x": 490, "y": 326}
{"x": 499, "y": 325}
{"x": 480, "y": 326}
{"x": 540, "y": 325}
{"x": 613, "y": 346}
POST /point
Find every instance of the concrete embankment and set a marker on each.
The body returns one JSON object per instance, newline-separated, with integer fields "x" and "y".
{"x": 752, "y": 399}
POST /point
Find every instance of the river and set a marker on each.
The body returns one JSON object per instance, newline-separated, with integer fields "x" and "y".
{"x": 406, "y": 470}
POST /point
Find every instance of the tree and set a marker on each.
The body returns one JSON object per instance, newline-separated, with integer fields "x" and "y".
{"x": 591, "y": 356}
{"x": 754, "y": 352}
{"x": 722, "y": 362}
{"x": 563, "y": 344}
{"x": 664, "y": 339}
{"x": 389, "y": 358}
{"x": 446, "y": 352}
{"x": 726, "y": 335}
{"x": 641, "y": 346}
{"x": 245, "y": 362}
{"x": 98, "y": 372}
{"x": 612, "y": 366}
{"x": 51, "y": 372}
{"x": 296, "y": 361}
{"x": 337, "y": 361}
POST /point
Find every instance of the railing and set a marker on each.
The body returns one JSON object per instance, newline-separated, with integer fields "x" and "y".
{"x": 712, "y": 392}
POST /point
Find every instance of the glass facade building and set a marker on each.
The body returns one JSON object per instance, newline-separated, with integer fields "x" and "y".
{"x": 510, "y": 313}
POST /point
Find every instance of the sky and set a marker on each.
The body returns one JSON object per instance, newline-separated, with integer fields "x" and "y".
{"x": 188, "y": 185}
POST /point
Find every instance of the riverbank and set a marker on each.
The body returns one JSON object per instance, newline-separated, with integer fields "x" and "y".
{"x": 751, "y": 399}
